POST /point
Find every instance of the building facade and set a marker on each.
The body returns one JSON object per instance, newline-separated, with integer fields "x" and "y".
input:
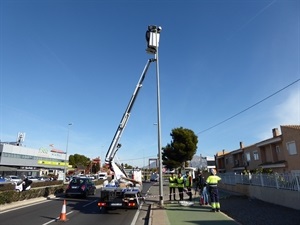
{"x": 280, "y": 153}
{"x": 18, "y": 160}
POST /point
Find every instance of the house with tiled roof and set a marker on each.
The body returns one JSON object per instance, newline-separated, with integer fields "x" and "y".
{"x": 279, "y": 153}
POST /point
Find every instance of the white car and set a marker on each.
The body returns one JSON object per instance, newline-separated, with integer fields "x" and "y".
{"x": 12, "y": 178}
{"x": 102, "y": 176}
{"x": 170, "y": 171}
{"x": 32, "y": 178}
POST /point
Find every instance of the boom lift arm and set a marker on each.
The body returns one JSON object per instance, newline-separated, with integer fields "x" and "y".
{"x": 115, "y": 145}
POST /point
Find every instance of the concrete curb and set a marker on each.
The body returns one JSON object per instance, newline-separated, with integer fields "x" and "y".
{"x": 150, "y": 215}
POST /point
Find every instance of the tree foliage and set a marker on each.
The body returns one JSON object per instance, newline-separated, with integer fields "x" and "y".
{"x": 126, "y": 166}
{"x": 95, "y": 168}
{"x": 79, "y": 160}
{"x": 181, "y": 149}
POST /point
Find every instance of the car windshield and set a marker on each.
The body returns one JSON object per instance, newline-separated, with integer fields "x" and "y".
{"x": 77, "y": 181}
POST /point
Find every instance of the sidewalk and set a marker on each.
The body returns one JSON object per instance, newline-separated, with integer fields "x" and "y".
{"x": 172, "y": 213}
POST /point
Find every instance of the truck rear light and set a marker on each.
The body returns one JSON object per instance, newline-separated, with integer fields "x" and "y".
{"x": 131, "y": 204}
{"x": 101, "y": 204}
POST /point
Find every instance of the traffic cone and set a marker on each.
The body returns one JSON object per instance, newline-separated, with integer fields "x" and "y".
{"x": 63, "y": 215}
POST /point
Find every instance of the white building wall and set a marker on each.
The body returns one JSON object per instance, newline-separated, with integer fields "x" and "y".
{"x": 12, "y": 155}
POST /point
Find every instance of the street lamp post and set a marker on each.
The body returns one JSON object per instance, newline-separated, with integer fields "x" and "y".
{"x": 152, "y": 37}
{"x": 65, "y": 169}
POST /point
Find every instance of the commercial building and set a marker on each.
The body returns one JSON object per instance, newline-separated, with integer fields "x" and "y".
{"x": 20, "y": 160}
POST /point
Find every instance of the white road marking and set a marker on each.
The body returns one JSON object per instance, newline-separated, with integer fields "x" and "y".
{"x": 54, "y": 220}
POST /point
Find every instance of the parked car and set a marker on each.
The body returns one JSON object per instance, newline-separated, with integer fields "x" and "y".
{"x": 102, "y": 176}
{"x": 169, "y": 171}
{"x": 80, "y": 186}
{"x": 43, "y": 178}
{"x": 32, "y": 178}
{"x": 92, "y": 177}
{"x": 154, "y": 177}
{"x": 13, "y": 178}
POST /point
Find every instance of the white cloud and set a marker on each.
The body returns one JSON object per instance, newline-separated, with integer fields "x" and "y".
{"x": 288, "y": 112}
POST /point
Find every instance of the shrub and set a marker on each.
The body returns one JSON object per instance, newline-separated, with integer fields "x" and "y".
{"x": 38, "y": 189}
{"x": 9, "y": 196}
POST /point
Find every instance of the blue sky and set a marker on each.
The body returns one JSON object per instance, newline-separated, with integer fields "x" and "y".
{"x": 79, "y": 61}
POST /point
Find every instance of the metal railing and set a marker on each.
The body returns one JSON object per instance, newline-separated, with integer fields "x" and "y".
{"x": 286, "y": 181}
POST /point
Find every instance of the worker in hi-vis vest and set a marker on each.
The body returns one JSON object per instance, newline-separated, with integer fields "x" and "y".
{"x": 180, "y": 186}
{"x": 212, "y": 183}
{"x": 172, "y": 186}
{"x": 188, "y": 185}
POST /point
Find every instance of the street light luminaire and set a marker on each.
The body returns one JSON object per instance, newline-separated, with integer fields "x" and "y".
{"x": 152, "y": 38}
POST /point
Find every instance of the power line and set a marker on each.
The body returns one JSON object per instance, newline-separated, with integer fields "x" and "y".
{"x": 229, "y": 118}
{"x": 134, "y": 159}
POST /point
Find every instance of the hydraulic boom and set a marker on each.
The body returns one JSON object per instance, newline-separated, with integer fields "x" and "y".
{"x": 115, "y": 145}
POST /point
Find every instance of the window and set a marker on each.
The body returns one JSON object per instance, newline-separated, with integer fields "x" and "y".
{"x": 277, "y": 149}
{"x": 255, "y": 155}
{"x": 291, "y": 147}
{"x": 248, "y": 157}
{"x": 211, "y": 163}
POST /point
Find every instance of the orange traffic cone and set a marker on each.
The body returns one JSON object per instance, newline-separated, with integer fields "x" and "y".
{"x": 63, "y": 215}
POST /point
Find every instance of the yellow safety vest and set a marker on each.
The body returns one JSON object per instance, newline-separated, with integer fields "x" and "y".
{"x": 172, "y": 182}
{"x": 180, "y": 182}
{"x": 187, "y": 182}
{"x": 213, "y": 180}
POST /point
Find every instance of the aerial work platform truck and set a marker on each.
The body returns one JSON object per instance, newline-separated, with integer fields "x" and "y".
{"x": 124, "y": 191}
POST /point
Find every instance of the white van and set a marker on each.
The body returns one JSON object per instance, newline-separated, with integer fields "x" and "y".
{"x": 192, "y": 171}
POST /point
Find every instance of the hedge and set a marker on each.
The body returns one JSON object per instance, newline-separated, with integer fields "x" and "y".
{"x": 38, "y": 189}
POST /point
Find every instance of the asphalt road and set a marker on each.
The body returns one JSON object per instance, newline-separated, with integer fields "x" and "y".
{"x": 78, "y": 212}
